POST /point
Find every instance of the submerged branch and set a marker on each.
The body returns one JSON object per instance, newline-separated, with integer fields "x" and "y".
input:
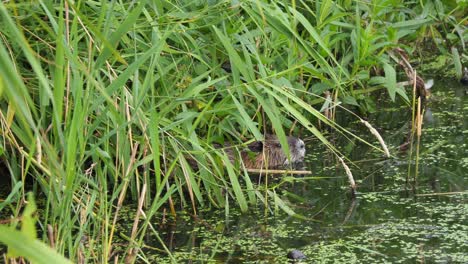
{"x": 266, "y": 171}
{"x": 442, "y": 193}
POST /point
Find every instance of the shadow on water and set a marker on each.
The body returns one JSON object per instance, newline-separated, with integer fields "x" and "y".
{"x": 389, "y": 221}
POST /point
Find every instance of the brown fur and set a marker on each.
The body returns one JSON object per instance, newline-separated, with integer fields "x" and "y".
{"x": 269, "y": 154}
{"x": 266, "y": 154}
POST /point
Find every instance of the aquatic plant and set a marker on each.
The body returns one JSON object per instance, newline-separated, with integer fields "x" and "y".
{"x": 102, "y": 100}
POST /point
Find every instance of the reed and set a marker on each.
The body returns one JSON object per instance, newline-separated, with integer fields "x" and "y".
{"x": 102, "y": 102}
{"x": 378, "y": 136}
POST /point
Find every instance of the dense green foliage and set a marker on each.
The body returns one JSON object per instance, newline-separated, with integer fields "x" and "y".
{"x": 104, "y": 101}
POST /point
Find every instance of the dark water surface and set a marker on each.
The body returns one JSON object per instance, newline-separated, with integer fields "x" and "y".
{"x": 390, "y": 221}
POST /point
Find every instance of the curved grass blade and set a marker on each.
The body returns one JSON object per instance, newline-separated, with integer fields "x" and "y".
{"x": 32, "y": 249}
{"x": 238, "y": 193}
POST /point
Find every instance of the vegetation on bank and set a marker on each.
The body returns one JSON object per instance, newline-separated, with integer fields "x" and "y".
{"x": 103, "y": 102}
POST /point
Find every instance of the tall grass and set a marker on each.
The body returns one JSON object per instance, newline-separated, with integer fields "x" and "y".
{"x": 100, "y": 99}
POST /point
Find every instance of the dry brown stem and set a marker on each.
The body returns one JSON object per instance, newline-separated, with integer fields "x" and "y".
{"x": 350, "y": 175}
{"x": 377, "y": 135}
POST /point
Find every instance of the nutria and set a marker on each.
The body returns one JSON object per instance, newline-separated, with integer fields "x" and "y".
{"x": 464, "y": 78}
{"x": 266, "y": 154}
{"x": 269, "y": 154}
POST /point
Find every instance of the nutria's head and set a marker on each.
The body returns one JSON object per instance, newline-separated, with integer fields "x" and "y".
{"x": 271, "y": 155}
{"x": 464, "y": 78}
{"x": 296, "y": 149}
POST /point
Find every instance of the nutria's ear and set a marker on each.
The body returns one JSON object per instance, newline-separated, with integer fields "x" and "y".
{"x": 256, "y": 146}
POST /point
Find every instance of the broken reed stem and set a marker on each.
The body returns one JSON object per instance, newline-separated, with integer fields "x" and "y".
{"x": 413, "y": 129}
{"x": 50, "y": 234}
{"x": 123, "y": 191}
{"x": 419, "y": 119}
{"x": 350, "y": 175}
{"x": 138, "y": 213}
{"x": 377, "y": 135}
{"x": 38, "y": 150}
{"x": 133, "y": 249}
{"x": 418, "y": 135}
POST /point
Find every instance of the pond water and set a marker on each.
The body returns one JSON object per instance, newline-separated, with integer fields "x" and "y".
{"x": 390, "y": 220}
